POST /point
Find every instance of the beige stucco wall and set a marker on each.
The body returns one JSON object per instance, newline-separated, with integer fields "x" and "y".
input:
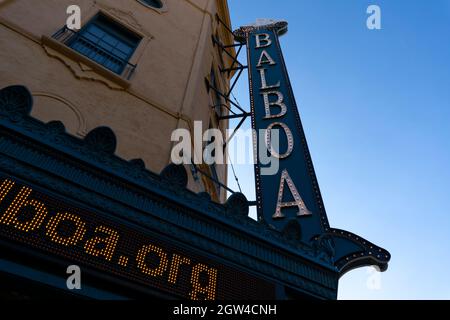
{"x": 166, "y": 92}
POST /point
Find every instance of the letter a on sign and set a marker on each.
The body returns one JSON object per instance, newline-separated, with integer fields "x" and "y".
{"x": 298, "y": 201}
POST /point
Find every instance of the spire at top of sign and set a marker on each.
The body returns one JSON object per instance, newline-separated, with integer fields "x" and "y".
{"x": 263, "y": 21}
{"x": 280, "y": 26}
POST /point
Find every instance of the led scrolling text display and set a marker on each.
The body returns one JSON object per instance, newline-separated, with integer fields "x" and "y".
{"x": 38, "y": 220}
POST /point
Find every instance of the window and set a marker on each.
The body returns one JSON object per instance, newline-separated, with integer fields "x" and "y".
{"x": 153, "y": 3}
{"x": 107, "y": 43}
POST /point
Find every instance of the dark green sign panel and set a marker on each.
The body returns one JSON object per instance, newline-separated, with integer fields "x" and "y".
{"x": 288, "y": 195}
{"x": 287, "y": 187}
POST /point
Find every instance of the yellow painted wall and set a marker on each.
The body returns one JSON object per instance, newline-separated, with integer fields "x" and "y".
{"x": 166, "y": 92}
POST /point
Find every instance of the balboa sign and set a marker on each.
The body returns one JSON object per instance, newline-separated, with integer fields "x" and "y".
{"x": 292, "y": 192}
{"x": 290, "y": 200}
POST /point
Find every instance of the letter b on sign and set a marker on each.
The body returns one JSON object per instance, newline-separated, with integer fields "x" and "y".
{"x": 263, "y": 40}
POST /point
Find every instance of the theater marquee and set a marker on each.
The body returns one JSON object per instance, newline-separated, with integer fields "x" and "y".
{"x": 48, "y": 224}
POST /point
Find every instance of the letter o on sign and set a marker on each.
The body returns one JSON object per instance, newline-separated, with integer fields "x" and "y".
{"x": 289, "y": 137}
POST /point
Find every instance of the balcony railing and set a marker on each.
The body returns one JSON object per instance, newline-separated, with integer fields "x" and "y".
{"x": 109, "y": 60}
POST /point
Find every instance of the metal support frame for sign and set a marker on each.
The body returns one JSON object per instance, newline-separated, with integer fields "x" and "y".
{"x": 214, "y": 180}
{"x": 244, "y": 115}
{"x": 224, "y": 48}
{"x": 236, "y": 65}
{"x": 227, "y": 98}
{"x": 290, "y": 200}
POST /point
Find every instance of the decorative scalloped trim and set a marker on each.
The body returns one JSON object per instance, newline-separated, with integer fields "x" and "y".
{"x": 82, "y": 129}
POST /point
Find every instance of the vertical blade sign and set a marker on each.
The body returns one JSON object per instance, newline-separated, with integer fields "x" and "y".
{"x": 287, "y": 193}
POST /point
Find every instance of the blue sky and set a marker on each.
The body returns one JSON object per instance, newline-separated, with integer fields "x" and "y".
{"x": 375, "y": 106}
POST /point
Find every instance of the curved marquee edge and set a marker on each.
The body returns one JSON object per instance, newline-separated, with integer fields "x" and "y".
{"x": 352, "y": 251}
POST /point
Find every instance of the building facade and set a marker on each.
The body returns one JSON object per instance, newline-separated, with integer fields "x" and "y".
{"x": 91, "y": 205}
{"x": 137, "y": 67}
